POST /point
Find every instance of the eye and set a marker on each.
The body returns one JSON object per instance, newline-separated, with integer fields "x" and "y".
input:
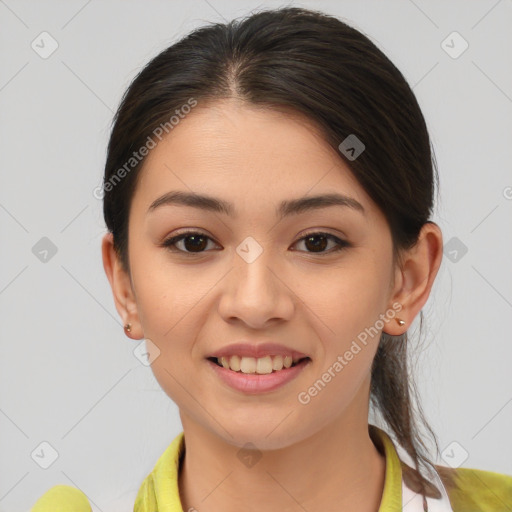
{"x": 319, "y": 240}
{"x": 195, "y": 242}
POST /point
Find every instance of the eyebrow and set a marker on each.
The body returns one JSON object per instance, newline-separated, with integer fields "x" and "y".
{"x": 285, "y": 209}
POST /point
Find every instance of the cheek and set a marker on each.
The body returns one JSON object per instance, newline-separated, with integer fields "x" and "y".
{"x": 171, "y": 304}
{"x": 348, "y": 297}
{"x": 348, "y": 305}
{"x": 167, "y": 294}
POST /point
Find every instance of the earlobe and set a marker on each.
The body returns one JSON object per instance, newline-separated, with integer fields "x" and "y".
{"x": 120, "y": 283}
{"x": 418, "y": 270}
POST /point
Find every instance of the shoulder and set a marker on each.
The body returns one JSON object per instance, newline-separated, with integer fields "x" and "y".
{"x": 62, "y": 497}
{"x": 146, "y": 497}
{"x": 477, "y": 489}
{"x": 159, "y": 490}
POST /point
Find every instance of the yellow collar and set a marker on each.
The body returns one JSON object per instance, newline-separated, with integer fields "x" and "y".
{"x": 160, "y": 492}
{"x": 392, "y": 494}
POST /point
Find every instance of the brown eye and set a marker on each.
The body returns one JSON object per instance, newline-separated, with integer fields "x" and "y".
{"x": 193, "y": 242}
{"x": 317, "y": 242}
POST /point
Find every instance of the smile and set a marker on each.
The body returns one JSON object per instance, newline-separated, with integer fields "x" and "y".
{"x": 260, "y": 365}
{"x": 251, "y": 381}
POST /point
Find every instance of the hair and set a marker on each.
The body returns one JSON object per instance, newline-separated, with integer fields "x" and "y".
{"x": 315, "y": 65}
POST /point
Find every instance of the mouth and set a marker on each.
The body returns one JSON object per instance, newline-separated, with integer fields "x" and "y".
{"x": 249, "y": 377}
{"x": 261, "y": 366}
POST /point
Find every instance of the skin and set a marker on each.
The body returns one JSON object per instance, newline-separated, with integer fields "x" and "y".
{"x": 317, "y": 456}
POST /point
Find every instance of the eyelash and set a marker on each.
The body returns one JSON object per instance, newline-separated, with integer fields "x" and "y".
{"x": 170, "y": 242}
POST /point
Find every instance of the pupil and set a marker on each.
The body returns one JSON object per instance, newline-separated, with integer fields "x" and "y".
{"x": 196, "y": 239}
{"x": 320, "y": 246}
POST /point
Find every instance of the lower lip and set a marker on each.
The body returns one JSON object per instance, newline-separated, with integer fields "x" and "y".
{"x": 255, "y": 383}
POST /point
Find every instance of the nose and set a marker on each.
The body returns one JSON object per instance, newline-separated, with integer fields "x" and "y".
{"x": 257, "y": 292}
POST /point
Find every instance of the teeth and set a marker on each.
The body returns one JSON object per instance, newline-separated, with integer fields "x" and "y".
{"x": 260, "y": 365}
{"x": 234, "y": 363}
{"x": 264, "y": 364}
{"x": 277, "y": 363}
{"x": 248, "y": 364}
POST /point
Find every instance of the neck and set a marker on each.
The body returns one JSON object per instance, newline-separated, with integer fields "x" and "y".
{"x": 338, "y": 467}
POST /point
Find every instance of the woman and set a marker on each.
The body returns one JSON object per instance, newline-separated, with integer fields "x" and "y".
{"x": 268, "y": 191}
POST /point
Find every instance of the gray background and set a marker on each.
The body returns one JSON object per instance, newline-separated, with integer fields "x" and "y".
{"x": 68, "y": 373}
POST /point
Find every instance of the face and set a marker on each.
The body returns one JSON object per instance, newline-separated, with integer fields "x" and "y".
{"x": 258, "y": 274}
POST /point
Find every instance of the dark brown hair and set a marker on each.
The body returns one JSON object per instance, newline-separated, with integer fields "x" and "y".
{"x": 316, "y": 65}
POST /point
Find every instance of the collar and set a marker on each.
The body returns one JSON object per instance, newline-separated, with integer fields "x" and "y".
{"x": 160, "y": 491}
{"x": 392, "y": 494}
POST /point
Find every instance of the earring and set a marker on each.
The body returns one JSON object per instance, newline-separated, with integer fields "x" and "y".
{"x": 400, "y": 322}
{"x": 128, "y": 327}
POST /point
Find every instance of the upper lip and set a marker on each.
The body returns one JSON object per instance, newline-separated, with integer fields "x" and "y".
{"x": 256, "y": 351}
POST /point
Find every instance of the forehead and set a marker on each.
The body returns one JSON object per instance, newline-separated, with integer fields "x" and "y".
{"x": 230, "y": 149}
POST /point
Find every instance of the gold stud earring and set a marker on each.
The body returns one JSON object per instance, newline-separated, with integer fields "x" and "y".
{"x": 400, "y": 322}
{"x": 128, "y": 327}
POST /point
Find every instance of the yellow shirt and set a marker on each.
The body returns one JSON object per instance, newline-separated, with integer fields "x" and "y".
{"x": 476, "y": 490}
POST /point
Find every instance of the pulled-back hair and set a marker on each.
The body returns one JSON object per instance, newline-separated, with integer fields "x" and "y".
{"x": 304, "y": 61}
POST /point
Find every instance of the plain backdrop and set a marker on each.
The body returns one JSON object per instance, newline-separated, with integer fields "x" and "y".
{"x": 69, "y": 376}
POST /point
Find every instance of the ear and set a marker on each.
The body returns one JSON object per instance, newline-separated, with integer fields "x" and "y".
{"x": 415, "y": 276}
{"x": 121, "y": 285}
